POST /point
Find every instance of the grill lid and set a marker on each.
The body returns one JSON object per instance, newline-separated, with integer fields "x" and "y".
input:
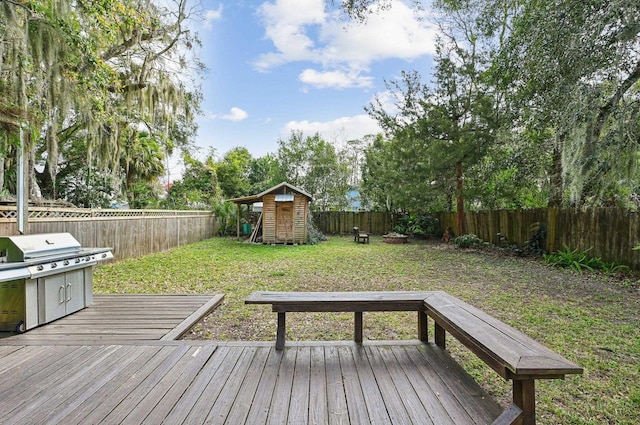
{"x": 26, "y": 247}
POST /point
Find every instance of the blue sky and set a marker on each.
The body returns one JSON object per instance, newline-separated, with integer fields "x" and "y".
{"x": 279, "y": 65}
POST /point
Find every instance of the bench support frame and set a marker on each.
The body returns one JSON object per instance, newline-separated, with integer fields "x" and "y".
{"x": 358, "y": 326}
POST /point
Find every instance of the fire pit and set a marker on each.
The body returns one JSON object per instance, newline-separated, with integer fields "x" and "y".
{"x": 44, "y": 277}
{"x": 394, "y": 238}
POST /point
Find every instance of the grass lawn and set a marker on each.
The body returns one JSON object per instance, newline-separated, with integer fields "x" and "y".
{"x": 590, "y": 320}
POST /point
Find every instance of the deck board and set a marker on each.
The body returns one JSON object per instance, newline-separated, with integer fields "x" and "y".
{"x": 318, "y": 379}
{"x": 336, "y": 396}
{"x": 117, "y": 318}
{"x": 230, "y": 383}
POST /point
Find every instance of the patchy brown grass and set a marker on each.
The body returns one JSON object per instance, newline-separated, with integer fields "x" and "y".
{"x": 590, "y": 319}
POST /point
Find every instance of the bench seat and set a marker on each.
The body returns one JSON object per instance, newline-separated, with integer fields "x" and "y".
{"x": 356, "y": 302}
{"x": 509, "y": 352}
{"x": 340, "y": 301}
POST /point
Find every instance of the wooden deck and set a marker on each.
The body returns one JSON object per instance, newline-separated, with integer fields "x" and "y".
{"x": 194, "y": 383}
{"x": 114, "y": 319}
{"x": 117, "y": 362}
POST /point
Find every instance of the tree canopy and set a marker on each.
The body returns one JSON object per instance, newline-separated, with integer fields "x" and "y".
{"x": 528, "y": 104}
{"x": 101, "y": 75}
{"x": 548, "y": 94}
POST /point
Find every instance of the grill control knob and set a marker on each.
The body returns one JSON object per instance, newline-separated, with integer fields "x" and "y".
{"x": 54, "y": 265}
{"x": 40, "y": 267}
{"x": 77, "y": 260}
{"x": 66, "y": 262}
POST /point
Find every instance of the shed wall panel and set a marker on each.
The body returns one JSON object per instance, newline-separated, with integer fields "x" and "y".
{"x": 269, "y": 219}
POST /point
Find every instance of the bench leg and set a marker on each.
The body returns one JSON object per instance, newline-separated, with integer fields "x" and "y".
{"x": 357, "y": 325}
{"x": 524, "y": 396}
{"x": 280, "y": 335}
{"x": 439, "y": 336}
{"x": 423, "y": 332}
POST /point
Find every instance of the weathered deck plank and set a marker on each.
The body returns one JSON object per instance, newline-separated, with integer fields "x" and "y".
{"x": 113, "y": 319}
{"x": 318, "y": 383}
{"x": 279, "y": 408}
{"x": 231, "y": 383}
{"x": 336, "y": 396}
{"x": 240, "y": 409}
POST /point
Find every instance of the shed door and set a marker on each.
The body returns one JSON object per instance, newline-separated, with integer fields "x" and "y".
{"x": 284, "y": 221}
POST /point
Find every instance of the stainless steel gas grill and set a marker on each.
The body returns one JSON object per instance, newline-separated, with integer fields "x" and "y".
{"x": 44, "y": 277}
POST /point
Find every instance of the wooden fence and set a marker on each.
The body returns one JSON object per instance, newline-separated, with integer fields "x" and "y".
{"x": 343, "y": 222}
{"x": 131, "y": 233}
{"x": 608, "y": 233}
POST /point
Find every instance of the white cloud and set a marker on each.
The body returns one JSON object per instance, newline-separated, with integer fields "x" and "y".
{"x": 235, "y": 115}
{"x": 336, "y": 79}
{"x": 212, "y": 15}
{"x": 286, "y": 25}
{"x": 338, "y": 131}
{"x": 399, "y": 32}
{"x": 301, "y": 30}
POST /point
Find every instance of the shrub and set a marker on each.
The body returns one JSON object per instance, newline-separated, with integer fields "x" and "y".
{"x": 314, "y": 236}
{"x": 467, "y": 241}
{"x": 579, "y": 261}
{"x": 417, "y": 224}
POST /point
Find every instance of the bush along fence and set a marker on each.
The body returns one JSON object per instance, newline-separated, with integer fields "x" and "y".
{"x": 131, "y": 233}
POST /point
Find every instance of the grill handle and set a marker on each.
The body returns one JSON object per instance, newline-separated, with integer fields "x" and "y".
{"x": 68, "y": 291}
{"x": 61, "y": 294}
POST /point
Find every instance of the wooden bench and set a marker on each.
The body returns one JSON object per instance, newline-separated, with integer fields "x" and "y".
{"x": 357, "y": 302}
{"x": 509, "y": 352}
{"x": 360, "y": 237}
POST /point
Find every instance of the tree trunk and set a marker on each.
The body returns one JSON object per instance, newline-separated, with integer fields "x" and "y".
{"x": 4, "y": 149}
{"x": 557, "y": 187}
{"x": 460, "y": 200}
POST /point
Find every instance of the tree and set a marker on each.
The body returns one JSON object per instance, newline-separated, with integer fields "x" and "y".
{"x": 327, "y": 179}
{"x": 447, "y": 129}
{"x": 396, "y": 178}
{"x": 198, "y": 188}
{"x": 314, "y": 165}
{"x": 573, "y": 67}
{"x": 233, "y": 173}
{"x": 93, "y": 71}
{"x": 142, "y": 165}
{"x": 263, "y": 173}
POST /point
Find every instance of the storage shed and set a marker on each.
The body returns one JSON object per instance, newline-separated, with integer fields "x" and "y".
{"x": 283, "y": 219}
